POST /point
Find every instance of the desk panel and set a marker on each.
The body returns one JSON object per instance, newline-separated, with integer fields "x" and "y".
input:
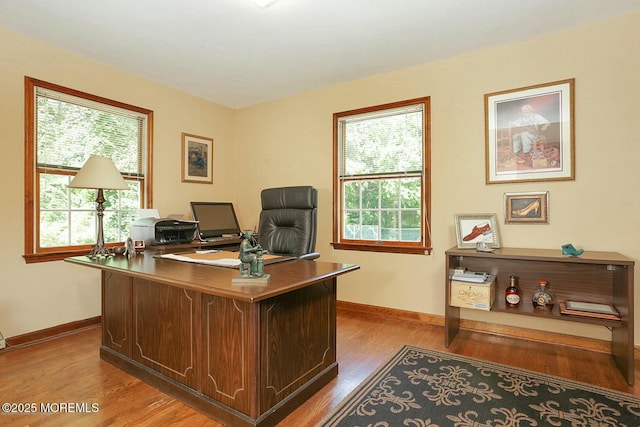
{"x": 229, "y": 347}
{"x": 116, "y": 312}
{"x": 164, "y": 330}
{"x": 303, "y": 320}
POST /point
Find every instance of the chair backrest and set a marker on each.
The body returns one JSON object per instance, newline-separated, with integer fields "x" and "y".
{"x": 288, "y": 220}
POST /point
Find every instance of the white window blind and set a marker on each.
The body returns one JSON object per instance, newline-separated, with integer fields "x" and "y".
{"x": 387, "y": 142}
{"x": 69, "y": 129}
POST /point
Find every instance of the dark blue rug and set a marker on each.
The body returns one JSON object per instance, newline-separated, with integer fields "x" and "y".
{"x": 426, "y": 388}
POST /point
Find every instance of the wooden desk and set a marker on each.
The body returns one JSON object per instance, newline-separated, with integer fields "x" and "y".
{"x": 244, "y": 355}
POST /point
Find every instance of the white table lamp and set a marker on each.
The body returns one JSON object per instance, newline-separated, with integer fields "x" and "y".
{"x": 99, "y": 173}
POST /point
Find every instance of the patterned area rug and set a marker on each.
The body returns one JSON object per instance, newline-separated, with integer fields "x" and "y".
{"x": 426, "y": 388}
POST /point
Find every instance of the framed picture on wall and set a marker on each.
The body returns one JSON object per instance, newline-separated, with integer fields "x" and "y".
{"x": 529, "y": 133}
{"x": 526, "y": 208}
{"x": 472, "y": 229}
{"x": 197, "y": 159}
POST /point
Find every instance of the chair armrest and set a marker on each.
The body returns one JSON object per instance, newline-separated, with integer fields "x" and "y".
{"x": 310, "y": 256}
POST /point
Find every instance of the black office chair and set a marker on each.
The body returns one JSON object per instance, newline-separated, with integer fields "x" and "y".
{"x": 288, "y": 221}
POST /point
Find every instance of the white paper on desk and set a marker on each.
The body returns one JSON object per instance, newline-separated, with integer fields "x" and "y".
{"x": 148, "y": 213}
{"x": 223, "y": 262}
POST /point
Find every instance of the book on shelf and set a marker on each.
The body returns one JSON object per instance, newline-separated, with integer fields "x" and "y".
{"x": 589, "y": 309}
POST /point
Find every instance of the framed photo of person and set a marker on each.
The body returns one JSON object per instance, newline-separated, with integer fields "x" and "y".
{"x": 529, "y": 133}
{"x": 197, "y": 159}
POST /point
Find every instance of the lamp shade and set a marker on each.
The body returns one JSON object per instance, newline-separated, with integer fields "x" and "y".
{"x": 99, "y": 172}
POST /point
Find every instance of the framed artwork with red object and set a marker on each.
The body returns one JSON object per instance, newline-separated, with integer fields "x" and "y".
{"x": 472, "y": 229}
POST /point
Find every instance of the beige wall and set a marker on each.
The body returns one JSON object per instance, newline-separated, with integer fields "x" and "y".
{"x": 38, "y": 296}
{"x": 289, "y": 142}
{"x": 597, "y": 211}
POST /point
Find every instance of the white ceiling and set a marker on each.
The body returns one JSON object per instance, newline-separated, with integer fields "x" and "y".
{"x": 236, "y": 54}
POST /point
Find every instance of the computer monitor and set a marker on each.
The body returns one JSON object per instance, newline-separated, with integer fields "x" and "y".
{"x": 215, "y": 219}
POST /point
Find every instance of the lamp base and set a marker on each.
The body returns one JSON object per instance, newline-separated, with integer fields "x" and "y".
{"x": 99, "y": 251}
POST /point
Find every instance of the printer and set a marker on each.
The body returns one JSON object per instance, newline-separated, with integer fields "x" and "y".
{"x": 161, "y": 231}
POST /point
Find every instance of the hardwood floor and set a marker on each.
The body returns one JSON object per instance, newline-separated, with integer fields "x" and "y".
{"x": 69, "y": 370}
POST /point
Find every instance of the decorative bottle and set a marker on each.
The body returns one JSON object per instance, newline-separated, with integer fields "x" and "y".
{"x": 512, "y": 293}
{"x": 542, "y": 299}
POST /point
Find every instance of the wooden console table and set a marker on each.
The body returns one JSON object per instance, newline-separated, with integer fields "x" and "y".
{"x": 246, "y": 355}
{"x": 598, "y": 277}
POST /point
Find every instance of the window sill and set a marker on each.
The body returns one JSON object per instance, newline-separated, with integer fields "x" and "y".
{"x": 413, "y": 250}
{"x": 53, "y": 256}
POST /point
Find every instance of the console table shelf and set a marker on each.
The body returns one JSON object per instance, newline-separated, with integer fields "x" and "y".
{"x": 598, "y": 277}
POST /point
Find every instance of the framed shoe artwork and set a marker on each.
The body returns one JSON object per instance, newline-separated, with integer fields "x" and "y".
{"x": 526, "y": 208}
{"x": 474, "y": 229}
{"x": 529, "y": 133}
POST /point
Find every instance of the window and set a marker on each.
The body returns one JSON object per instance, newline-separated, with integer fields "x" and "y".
{"x": 381, "y": 173}
{"x": 63, "y": 128}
